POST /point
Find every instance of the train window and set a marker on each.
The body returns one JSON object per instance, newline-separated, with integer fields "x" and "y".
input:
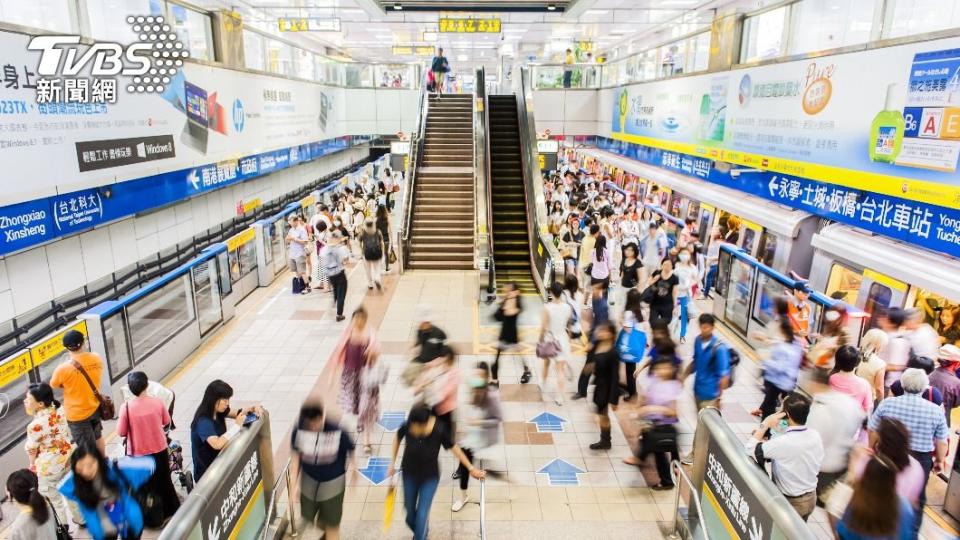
{"x": 878, "y": 300}
{"x": 942, "y": 314}
{"x": 693, "y": 209}
{"x": 723, "y": 272}
{"x": 768, "y": 290}
{"x": 226, "y": 284}
{"x": 768, "y": 248}
{"x": 749, "y": 237}
{"x": 706, "y": 216}
{"x": 737, "y": 308}
{"x": 677, "y": 204}
{"x": 729, "y": 227}
{"x": 844, "y": 284}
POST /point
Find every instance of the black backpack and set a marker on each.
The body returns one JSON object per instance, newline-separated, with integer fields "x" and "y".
{"x": 372, "y": 250}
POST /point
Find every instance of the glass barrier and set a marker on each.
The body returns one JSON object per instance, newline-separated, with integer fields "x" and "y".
{"x": 159, "y": 315}
{"x": 737, "y": 308}
{"x": 267, "y": 241}
{"x": 226, "y": 284}
{"x": 205, "y": 292}
{"x": 248, "y": 257}
{"x": 276, "y": 238}
{"x": 567, "y": 76}
{"x": 234, "y": 265}
{"x": 768, "y": 289}
{"x": 119, "y": 359}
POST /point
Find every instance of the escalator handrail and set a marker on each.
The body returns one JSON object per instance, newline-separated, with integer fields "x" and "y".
{"x": 488, "y": 177}
{"x": 532, "y": 186}
{"x": 416, "y": 149}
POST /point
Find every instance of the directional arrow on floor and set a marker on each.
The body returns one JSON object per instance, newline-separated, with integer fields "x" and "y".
{"x": 561, "y": 473}
{"x": 376, "y": 470}
{"x": 548, "y": 423}
{"x": 392, "y": 420}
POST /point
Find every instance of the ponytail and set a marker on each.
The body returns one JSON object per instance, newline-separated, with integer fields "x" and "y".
{"x": 25, "y": 489}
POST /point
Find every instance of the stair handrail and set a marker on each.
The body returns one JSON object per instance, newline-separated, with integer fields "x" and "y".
{"x": 416, "y": 153}
{"x": 483, "y": 174}
{"x": 544, "y": 256}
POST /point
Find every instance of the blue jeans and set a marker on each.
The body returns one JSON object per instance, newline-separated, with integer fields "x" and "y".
{"x": 417, "y": 499}
{"x": 711, "y": 278}
{"x": 683, "y": 301}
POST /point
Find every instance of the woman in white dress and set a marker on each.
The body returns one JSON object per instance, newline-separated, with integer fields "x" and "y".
{"x": 557, "y": 315}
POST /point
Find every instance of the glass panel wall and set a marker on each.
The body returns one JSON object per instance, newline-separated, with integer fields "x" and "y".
{"x": 194, "y": 29}
{"x": 763, "y": 35}
{"x": 253, "y": 50}
{"x": 830, "y": 24}
{"x": 158, "y": 316}
{"x": 248, "y": 257}
{"x": 118, "y": 350}
{"x": 912, "y": 17}
{"x": 14, "y": 380}
{"x": 55, "y": 15}
{"x": 108, "y": 18}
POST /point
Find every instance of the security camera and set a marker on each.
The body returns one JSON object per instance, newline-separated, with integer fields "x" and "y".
{"x": 735, "y": 173}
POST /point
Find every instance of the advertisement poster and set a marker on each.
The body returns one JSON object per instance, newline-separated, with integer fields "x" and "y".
{"x": 835, "y": 119}
{"x": 203, "y": 115}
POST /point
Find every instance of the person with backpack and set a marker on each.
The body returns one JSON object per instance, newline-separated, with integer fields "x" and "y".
{"x": 79, "y": 377}
{"x": 439, "y": 67}
{"x": 372, "y": 245}
{"x": 334, "y": 257}
{"x": 711, "y": 364}
{"x": 35, "y": 521}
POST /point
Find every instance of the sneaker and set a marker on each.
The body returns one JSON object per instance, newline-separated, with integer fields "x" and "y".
{"x": 340, "y": 318}
{"x": 687, "y": 459}
{"x": 578, "y": 395}
{"x": 525, "y": 378}
{"x": 369, "y": 287}
{"x": 459, "y": 504}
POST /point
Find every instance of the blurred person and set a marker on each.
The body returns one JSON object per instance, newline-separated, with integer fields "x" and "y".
{"x": 321, "y": 454}
{"x": 439, "y": 386}
{"x": 688, "y": 233}
{"x": 605, "y": 361}
{"x": 795, "y": 455}
{"x": 711, "y": 366}
{"x": 420, "y": 468}
{"x": 430, "y": 339}
{"x": 48, "y": 446}
{"x": 373, "y": 375}
{"x": 664, "y": 287}
{"x": 556, "y": 319}
{"x": 439, "y": 67}
{"x": 688, "y": 275}
{"x": 658, "y": 406}
{"x": 713, "y": 261}
{"x": 931, "y": 394}
{"x": 949, "y": 325}
{"x": 781, "y": 368}
{"x": 631, "y": 273}
{"x": 297, "y": 240}
{"x": 601, "y": 265}
{"x": 872, "y": 368}
{"x": 35, "y": 520}
{"x": 209, "y": 425}
{"x": 334, "y": 258}
{"x": 897, "y": 352}
{"x": 924, "y": 340}
{"x": 799, "y": 311}
{"x": 587, "y": 246}
{"x": 79, "y": 376}
{"x": 482, "y": 420}
{"x": 358, "y": 344}
{"x": 892, "y": 442}
{"x": 845, "y": 381}
{"x": 924, "y": 421}
{"x": 875, "y": 511}
{"x": 384, "y": 228}
{"x": 653, "y": 246}
{"x": 599, "y": 305}
{"x": 833, "y": 336}
{"x": 838, "y": 418}
{"x": 944, "y": 379}
{"x": 568, "y": 60}
{"x": 507, "y": 314}
{"x": 104, "y": 490}
{"x": 632, "y": 321}
{"x": 142, "y": 422}
{"x": 372, "y": 246}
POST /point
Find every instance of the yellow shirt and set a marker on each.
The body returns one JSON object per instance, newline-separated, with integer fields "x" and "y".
{"x": 569, "y": 59}
{"x": 79, "y": 403}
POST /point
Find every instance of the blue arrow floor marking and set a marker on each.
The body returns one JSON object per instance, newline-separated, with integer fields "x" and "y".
{"x": 376, "y": 470}
{"x": 548, "y": 423}
{"x": 561, "y": 473}
{"x": 391, "y": 420}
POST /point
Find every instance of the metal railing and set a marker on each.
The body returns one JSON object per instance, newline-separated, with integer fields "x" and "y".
{"x": 483, "y": 510}
{"x": 483, "y": 174}
{"x": 416, "y": 151}
{"x": 678, "y": 473}
{"x": 284, "y": 477}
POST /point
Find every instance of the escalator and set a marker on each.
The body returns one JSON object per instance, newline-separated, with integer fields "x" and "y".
{"x": 510, "y": 230}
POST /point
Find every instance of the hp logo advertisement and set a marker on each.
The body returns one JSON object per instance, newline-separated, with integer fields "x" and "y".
{"x": 238, "y": 116}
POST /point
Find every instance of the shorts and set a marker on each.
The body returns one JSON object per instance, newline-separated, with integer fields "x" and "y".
{"x": 298, "y": 265}
{"x": 88, "y": 430}
{"x": 327, "y": 512}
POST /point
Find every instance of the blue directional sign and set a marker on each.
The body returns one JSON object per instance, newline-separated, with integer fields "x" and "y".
{"x": 548, "y": 423}
{"x": 561, "y": 473}
{"x": 376, "y": 470}
{"x": 391, "y": 420}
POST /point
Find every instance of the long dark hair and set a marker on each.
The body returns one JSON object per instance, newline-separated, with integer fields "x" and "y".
{"x": 601, "y": 244}
{"x": 786, "y": 328}
{"x": 25, "y": 489}
{"x": 571, "y": 284}
{"x": 83, "y": 488}
{"x": 893, "y": 443}
{"x": 43, "y": 394}
{"x": 215, "y": 391}
{"x": 633, "y": 304}
{"x": 874, "y": 509}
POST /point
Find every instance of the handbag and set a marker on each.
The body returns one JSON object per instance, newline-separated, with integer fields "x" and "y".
{"x": 392, "y": 257}
{"x": 63, "y": 531}
{"x": 548, "y": 347}
{"x": 498, "y": 314}
{"x": 151, "y": 505}
{"x": 659, "y": 438}
{"x": 647, "y": 295}
{"x": 106, "y": 409}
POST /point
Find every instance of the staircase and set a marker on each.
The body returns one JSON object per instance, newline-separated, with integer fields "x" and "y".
{"x": 442, "y": 230}
{"x": 511, "y": 242}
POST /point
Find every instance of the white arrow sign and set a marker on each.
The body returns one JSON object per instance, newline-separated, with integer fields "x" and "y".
{"x": 774, "y": 185}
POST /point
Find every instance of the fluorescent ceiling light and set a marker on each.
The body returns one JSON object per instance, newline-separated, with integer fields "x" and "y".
{"x": 596, "y": 12}
{"x": 551, "y": 7}
{"x": 429, "y": 36}
{"x": 397, "y": 7}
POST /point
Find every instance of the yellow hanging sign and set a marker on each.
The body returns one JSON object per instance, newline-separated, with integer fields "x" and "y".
{"x": 53, "y": 346}
{"x": 240, "y": 239}
{"x": 469, "y": 26}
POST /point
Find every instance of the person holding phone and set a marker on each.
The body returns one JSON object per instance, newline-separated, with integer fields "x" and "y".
{"x": 209, "y": 426}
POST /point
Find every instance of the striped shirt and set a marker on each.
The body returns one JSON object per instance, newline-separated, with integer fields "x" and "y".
{"x": 925, "y": 421}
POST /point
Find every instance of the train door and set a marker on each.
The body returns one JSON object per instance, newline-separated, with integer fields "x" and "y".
{"x": 879, "y": 293}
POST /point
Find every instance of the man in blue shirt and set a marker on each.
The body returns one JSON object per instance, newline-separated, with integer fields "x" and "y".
{"x": 711, "y": 363}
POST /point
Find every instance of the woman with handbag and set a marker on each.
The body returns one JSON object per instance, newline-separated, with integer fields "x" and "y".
{"x": 659, "y": 409}
{"x": 383, "y": 227}
{"x": 105, "y": 491}
{"x": 605, "y": 361}
{"x": 554, "y": 343}
{"x": 36, "y": 520}
{"x": 142, "y": 422}
{"x": 507, "y": 314}
{"x": 357, "y": 344}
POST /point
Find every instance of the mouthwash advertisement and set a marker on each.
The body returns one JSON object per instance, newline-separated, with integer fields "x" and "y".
{"x": 839, "y": 119}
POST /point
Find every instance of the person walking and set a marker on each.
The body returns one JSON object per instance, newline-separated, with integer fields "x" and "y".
{"x": 653, "y": 246}
{"x": 372, "y": 376}
{"x": 209, "y": 425}
{"x": 605, "y": 359}
{"x": 297, "y": 240}
{"x": 924, "y": 421}
{"x": 104, "y": 491}
{"x": 688, "y": 276}
{"x": 79, "y": 376}
{"x": 35, "y": 520}
{"x": 372, "y": 246}
{"x": 711, "y": 364}
{"x": 664, "y": 287}
{"x": 844, "y": 380}
{"x": 839, "y": 420}
{"x": 944, "y": 378}
{"x": 659, "y": 407}
{"x": 142, "y": 422}
{"x": 439, "y": 385}
{"x": 872, "y": 368}
{"x": 795, "y": 455}
{"x": 440, "y": 66}
{"x": 568, "y": 60}
{"x": 557, "y": 314}
{"x": 633, "y": 347}
{"x": 335, "y": 256}
{"x": 358, "y": 343}
{"x": 781, "y": 369}
{"x": 384, "y": 228}
{"x": 48, "y": 446}
{"x": 420, "y": 466}
{"x": 321, "y": 452}
{"x": 507, "y": 313}
{"x": 631, "y": 273}
{"x": 482, "y": 419}
{"x": 876, "y": 511}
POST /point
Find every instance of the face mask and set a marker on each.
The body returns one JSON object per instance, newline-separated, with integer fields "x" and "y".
{"x": 476, "y": 382}
{"x": 684, "y": 257}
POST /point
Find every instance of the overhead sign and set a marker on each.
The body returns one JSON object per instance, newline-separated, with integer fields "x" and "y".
{"x": 308, "y": 25}
{"x": 401, "y": 148}
{"x": 470, "y": 26}
{"x": 548, "y": 146}
{"x": 419, "y": 50}
{"x": 893, "y": 132}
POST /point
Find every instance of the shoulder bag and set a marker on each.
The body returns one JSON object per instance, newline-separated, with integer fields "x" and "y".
{"x": 151, "y": 505}
{"x": 63, "y": 531}
{"x": 107, "y": 409}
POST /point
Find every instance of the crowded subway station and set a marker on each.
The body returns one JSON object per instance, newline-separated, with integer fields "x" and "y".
{"x": 455, "y": 269}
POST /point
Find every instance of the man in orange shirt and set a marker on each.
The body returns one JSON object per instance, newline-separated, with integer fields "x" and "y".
{"x": 80, "y": 404}
{"x": 799, "y": 311}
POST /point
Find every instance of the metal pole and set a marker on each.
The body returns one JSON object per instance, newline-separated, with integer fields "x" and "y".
{"x": 483, "y": 510}
{"x": 290, "y": 502}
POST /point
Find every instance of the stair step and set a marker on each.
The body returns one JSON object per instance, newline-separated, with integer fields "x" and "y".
{"x": 440, "y": 257}
{"x": 440, "y": 265}
{"x": 458, "y": 248}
